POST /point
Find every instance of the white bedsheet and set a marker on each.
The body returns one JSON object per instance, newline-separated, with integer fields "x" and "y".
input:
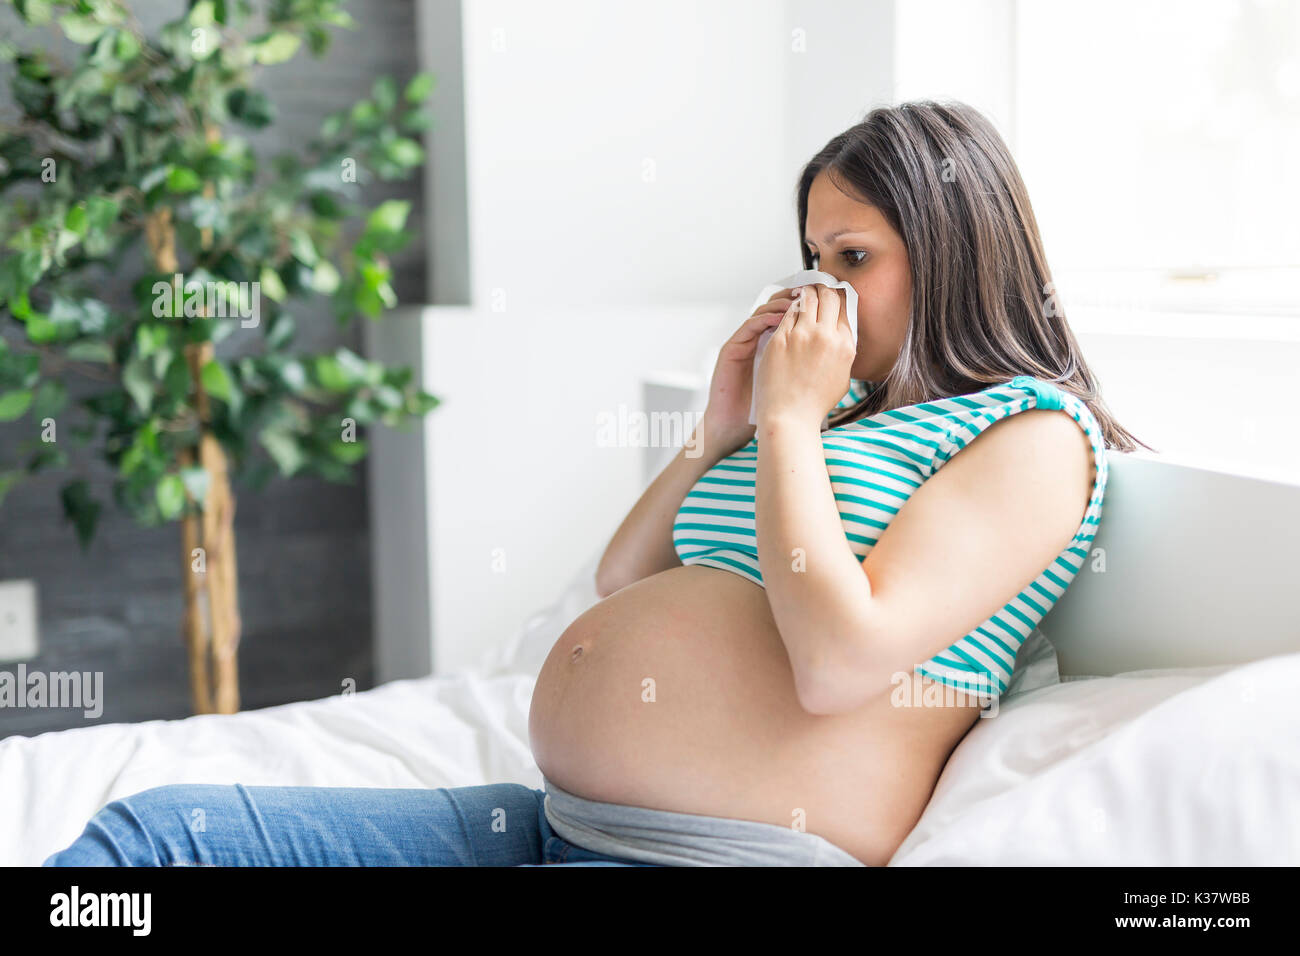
{"x": 428, "y": 732}
{"x": 1184, "y": 767}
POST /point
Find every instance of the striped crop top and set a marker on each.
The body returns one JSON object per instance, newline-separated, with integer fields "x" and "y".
{"x": 875, "y": 464}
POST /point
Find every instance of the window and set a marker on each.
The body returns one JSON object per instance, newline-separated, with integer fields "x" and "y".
{"x": 1160, "y": 145}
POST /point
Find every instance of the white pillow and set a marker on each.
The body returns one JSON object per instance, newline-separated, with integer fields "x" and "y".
{"x": 1175, "y": 767}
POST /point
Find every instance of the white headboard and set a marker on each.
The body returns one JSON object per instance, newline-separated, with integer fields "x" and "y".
{"x": 1198, "y": 570}
{"x": 1191, "y": 566}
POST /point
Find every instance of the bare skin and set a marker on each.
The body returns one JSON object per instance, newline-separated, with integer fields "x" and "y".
{"x": 694, "y": 690}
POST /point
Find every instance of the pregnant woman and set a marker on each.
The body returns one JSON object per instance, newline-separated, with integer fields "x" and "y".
{"x": 800, "y": 621}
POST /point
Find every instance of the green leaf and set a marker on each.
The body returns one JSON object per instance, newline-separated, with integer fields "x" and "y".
{"x": 404, "y": 152}
{"x": 421, "y": 403}
{"x": 49, "y": 399}
{"x": 209, "y": 213}
{"x": 80, "y": 29}
{"x": 271, "y": 285}
{"x": 160, "y": 359}
{"x": 107, "y": 12}
{"x": 205, "y": 41}
{"x": 91, "y": 316}
{"x": 41, "y": 331}
{"x": 75, "y": 220}
{"x": 125, "y": 99}
{"x": 325, "y": 278}
{"x": 80, "y": 509}
{"x": 35, "y": 12}
{"x": 326, "y": 205}
{"x": 388, "y": 216}
{"x": 196, "y": 481}
{"x": 47, "y": 456}
{"x": 419, "y": 88}
{"x": 283, "y": 449}
{"x": 416, "y": 121}
{"x": 90, "y": 352}
{"x": 332, "y": 125}
{"x": 149, "y": 338}
{"x": 14, "y": 404}
{"x": 202, "y": 14}
{"x": 387, "y": 397}
{"x": 176, "y": 381}
{"x": 101, "y": 213}
{"x": 330, "y": 375}
{"x": 181, "y": 179}
{"x": 154, "y": 177}
{"x": 170, "y": 494}
{"x": 374, "y": 292}
{"x": 318, "y": 40}
{"x": 364, "y": 114}
{"x": 293, "y": 376}
{"x": 280, "y": 330}
{"x": 361, "y": 371}
{"x": 143, "y": 455}
{"x": 215, "y": 379}
{"x": 303, "y": 249}
{"x": 125, "y": 46}
{"x": 384, "y": 93}
{"x": 251, "y": 107}
{"x": 348, "y": 452}
{"x": 138, "y": 383}
{"x": 275, "y": 47}
{"x": 19, "y": 371}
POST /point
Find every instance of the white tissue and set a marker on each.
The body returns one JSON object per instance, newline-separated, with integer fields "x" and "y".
{"x": 805, "y": 277}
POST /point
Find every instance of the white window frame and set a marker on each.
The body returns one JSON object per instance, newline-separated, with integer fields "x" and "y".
{"x": 980, "y": 39}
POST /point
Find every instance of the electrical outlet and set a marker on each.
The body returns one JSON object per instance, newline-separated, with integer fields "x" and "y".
{"x": 18, "y": 641}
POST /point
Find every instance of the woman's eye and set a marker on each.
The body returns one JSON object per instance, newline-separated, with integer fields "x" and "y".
{"x": 852, "y": 257}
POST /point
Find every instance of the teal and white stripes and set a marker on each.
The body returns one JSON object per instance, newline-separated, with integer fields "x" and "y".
{"x": 875, "y": 465}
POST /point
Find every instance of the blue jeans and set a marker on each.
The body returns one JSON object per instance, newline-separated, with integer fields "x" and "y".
{"x": 500, "y": 824}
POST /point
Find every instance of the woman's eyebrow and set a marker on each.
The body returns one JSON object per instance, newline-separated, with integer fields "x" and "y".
{"x": 842, "y": 232}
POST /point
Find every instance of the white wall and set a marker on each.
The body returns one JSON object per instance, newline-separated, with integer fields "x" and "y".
{"x": 627, "y": 186}
{"x": 637, "y": 142}
{"x": 523, "y": 487}
{"x": 1217, "y": 401}
{"x": 958, "y": 49}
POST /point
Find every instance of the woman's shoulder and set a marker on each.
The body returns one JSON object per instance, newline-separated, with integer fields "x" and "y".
{"x": 1034, "y": 435}
{"x": 1023, "y": 393}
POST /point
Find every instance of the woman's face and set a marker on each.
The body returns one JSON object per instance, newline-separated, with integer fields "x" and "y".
{"x": 853, "y": 242}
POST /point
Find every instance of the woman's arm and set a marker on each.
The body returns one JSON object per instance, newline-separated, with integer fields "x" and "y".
{"x": 974, "y": 533}
{"x": 820, "y": 599}
{"x": 643, "y": 544}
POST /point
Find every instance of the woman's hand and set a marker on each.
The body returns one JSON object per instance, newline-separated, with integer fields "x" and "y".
{"x": 806, "y": 365}
{"x": 731, "y": 390}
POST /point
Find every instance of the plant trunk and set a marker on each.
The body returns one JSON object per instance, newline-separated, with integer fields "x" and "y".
{"x": 209, "y": 571}
{"x": 211, "y": 577}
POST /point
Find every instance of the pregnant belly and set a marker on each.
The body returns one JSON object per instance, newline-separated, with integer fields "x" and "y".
{"x": 676, "y": 693}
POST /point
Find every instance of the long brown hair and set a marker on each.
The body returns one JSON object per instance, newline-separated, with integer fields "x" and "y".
{"x": 984, "y": 308}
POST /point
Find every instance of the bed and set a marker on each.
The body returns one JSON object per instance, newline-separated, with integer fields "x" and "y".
{"x": 1151, "y": 719}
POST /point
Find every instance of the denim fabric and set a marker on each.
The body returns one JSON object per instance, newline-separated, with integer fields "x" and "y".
{"x": 501, "y": 824}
